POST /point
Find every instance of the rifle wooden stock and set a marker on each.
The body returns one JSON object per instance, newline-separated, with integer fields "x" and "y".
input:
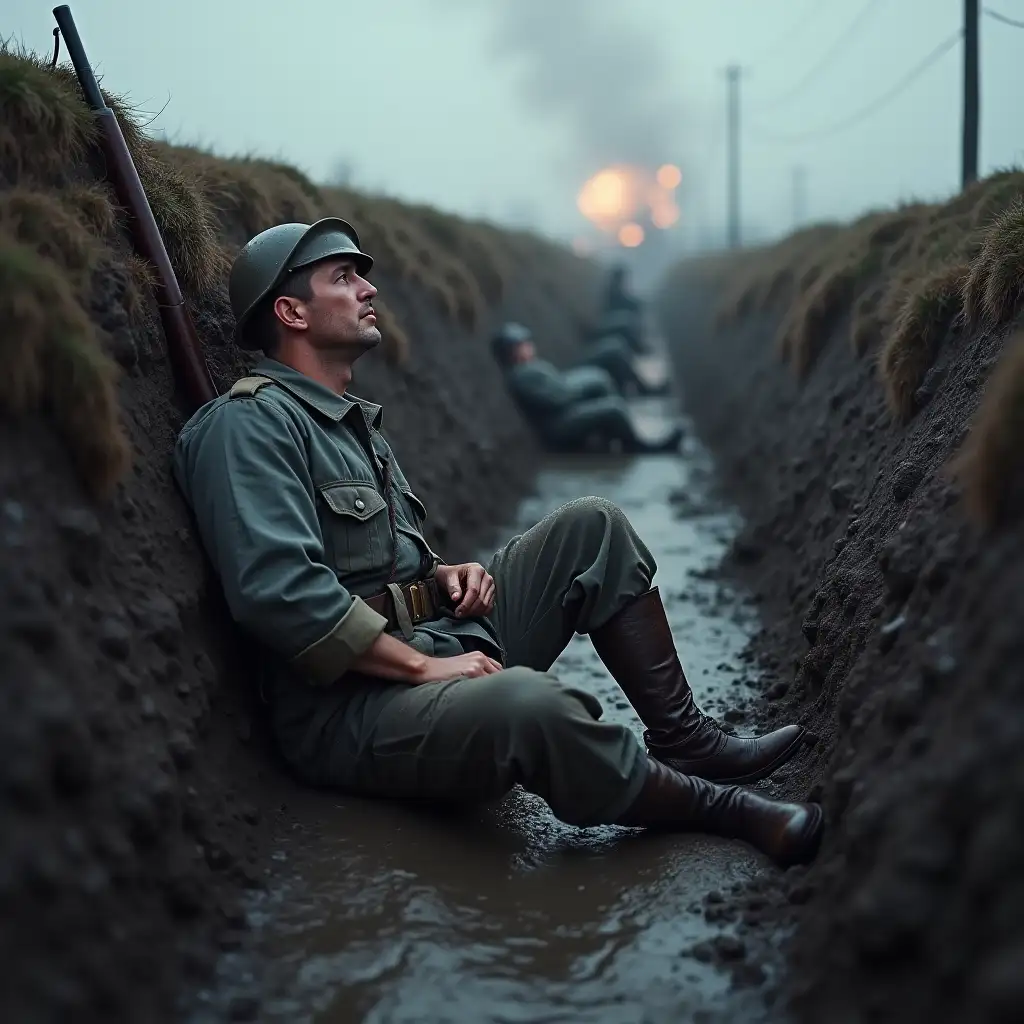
{"x": 183, "y": 345}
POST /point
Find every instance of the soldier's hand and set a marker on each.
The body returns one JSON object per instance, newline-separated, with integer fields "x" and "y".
{"x": 469, "y": 586}
{"x": 462, "y": 666}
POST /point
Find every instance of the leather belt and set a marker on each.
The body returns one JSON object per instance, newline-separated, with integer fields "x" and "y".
{"x": 423, "y": 601}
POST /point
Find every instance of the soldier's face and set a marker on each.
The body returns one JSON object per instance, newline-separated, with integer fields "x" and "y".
{"x": 340, "y": 312}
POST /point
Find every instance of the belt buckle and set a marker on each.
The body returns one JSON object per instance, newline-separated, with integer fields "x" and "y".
{"x": 419, "y": 603}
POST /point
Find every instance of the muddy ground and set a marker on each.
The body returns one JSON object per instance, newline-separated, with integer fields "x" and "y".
{"x": 893, "y": 629}
{"x": 137, "y": 789}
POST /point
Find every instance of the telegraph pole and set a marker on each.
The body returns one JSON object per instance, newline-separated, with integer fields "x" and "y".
{"x": 733, "y": 75}
{"x": 972, "y": 92}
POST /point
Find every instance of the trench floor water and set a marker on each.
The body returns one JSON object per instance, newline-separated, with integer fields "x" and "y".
{"x": 383, "y": 915}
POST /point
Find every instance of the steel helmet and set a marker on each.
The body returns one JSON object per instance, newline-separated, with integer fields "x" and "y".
{"x": 507, "y": 337}
{"x": 265, "y": 260}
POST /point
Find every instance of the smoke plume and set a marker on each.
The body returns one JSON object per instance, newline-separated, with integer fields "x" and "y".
{"x": 604, "y": 81}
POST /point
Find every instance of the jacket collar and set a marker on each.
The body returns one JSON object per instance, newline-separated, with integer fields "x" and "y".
{"x": 318, "y": 396}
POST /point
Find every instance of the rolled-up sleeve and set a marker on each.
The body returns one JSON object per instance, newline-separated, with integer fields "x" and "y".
{"x": 244, "y": 472}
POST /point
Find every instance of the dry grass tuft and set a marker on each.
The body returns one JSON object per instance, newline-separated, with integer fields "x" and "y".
{"x": 54, "y": 364}
{"x": 44, "y": 122}
{"x": 991, "y": 462}
{"x": 248, "y": 195}
{"x": 926, "y": 313}
{"x": 48, "y": 223}
{"x": 994, "y": 293}
{"x": 471, "y": 247}
{"x": 139, "y": 283}
{"x": 866, "y": 323}
{"x": 816, "y": 311}
{"x": 186, "y": 221}
{"x": 95, "y": 204}
{"x": 1000, "y": 191}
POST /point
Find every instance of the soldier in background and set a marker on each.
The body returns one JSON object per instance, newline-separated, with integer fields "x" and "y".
{"x": 565, "y": 415}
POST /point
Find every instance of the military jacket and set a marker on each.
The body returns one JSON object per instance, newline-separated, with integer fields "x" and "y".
{"x": 541, "y": 389}
{"x": 286, "y": 483}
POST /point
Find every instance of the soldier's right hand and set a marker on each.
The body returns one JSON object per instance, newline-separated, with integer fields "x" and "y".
{"x": 462, "y": 666}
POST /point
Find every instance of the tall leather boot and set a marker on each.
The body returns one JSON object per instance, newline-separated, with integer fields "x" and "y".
{"x": 789, "y": 833}
{"x": 637, "y": 647}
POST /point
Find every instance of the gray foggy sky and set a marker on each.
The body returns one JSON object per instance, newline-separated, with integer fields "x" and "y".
{"x": 500, "y": 107}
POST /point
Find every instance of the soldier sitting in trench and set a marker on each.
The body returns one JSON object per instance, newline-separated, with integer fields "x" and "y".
{"x": 575, "y": 410}
{"x": 391, "y": 674}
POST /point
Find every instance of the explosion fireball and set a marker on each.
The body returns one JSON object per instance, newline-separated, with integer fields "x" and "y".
{"x": 617, "y": 199}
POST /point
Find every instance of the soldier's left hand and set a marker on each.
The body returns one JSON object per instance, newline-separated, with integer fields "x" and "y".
{"x": 469, "y": 586}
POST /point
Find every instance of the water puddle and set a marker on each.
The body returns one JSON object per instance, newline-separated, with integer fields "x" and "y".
{"x": 384, "y": 915}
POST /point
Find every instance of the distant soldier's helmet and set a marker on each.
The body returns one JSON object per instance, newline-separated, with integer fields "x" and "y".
{"x": 508, "y": 336}
{"x": 266, "y": 260}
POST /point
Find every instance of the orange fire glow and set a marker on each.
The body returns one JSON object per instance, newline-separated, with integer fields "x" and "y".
{"x": 631, "y": 235}
{"x": 606, "y": 198}
{"x": 618, "y": 198}
{"x": 664, "y": 214}
{"x": 669, "y": 176}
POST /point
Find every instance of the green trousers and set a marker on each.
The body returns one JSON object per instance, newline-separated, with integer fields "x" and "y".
{"x": 472, "y": 740}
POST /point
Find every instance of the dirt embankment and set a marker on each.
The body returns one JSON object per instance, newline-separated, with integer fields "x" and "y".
{"x": 863, "y": 389}
{"x": 135, "y": 783}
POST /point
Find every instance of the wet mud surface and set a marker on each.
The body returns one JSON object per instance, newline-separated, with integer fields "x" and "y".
{"x": 380, "y": 913}
{"x": 891, "y": 628}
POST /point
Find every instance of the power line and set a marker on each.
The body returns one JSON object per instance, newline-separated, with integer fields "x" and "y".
{"x": 813, "y": 8}
{"x": 827, "y": 58}
{"x": 1003, "y": 18}
{"x": 848, "y": 122}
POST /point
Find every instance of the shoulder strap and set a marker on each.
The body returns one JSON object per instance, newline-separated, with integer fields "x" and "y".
{"x": 248, "y": 386}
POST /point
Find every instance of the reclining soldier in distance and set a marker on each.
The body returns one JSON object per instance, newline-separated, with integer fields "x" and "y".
{"x": 393, "y": 675}
{"x": 563, "y": 408}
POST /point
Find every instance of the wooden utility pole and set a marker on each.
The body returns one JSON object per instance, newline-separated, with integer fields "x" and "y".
{"x": 972, "y": 90}
{"x": 733, "y": 75}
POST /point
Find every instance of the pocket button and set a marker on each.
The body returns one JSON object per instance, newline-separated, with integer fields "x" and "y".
{"x": 360, "y": 504}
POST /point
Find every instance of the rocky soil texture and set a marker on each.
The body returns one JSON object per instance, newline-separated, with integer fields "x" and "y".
{"x": 862, "y": 388}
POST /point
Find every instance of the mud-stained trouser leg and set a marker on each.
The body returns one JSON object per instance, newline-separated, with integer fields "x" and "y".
{"x": 473, "y": 739}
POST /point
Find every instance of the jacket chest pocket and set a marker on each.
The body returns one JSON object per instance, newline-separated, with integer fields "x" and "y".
{"x": 402, "y": 491}
{"x": 356, "y": 523}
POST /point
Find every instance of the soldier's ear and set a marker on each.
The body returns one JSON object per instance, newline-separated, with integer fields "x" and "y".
{"x": 291, "y": 312}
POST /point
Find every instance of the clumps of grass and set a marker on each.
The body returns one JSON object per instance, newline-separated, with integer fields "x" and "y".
{"x": 994, "y": 292}
{"x": 866, "y": 322}
{"x": 185, "y": 219}
{"x": 990, "y": 465}
{"x": 470, "y": 248}
{"x": 999, "y": 192}
{"x": 925, "y": 313}
{"x": 246, "y": 195}
{"x": 426, "y": 262}
{"x": 44, "y": 123}
{"x": 54, "y": 364}
{"x": 50, "y": 224}
{"x": 139, "y": 284}
{"x": 95, "y": 203}
{"x": 809, "y": 323}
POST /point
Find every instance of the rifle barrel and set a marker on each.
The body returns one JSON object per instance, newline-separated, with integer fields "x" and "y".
{"x": 73, "y": 41}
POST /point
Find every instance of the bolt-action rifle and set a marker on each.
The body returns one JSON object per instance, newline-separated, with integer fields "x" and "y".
{"x": 183, "y": 345}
